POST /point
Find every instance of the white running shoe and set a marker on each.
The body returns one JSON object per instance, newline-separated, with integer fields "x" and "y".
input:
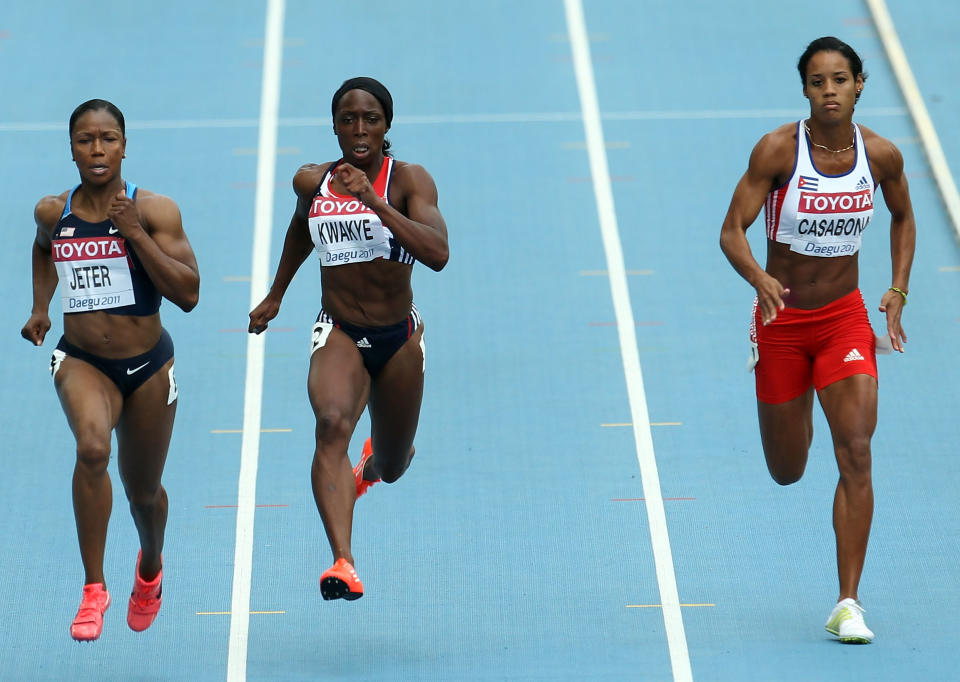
{"x": 846, "y": 622}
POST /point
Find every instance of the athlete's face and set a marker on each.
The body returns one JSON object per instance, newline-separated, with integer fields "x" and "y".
{"x": 98, "y": 145}
{"x": 831, "y": 86}
{"x": 360, "y": 126}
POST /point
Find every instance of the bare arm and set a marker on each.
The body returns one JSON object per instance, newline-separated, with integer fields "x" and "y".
{"x": 422, "y": 231}
{"x": 297, "y": 245}
{"x": 903, "y": 236}
{"x": 764, "y": 170}
{"x": 154, "y": 227}
{"x": 44, "y": 271}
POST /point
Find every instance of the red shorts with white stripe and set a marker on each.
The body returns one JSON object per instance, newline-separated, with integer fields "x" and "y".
{"x": 804, "y": 348}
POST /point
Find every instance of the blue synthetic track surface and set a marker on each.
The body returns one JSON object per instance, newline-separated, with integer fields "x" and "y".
{"x": 517, "y": 546}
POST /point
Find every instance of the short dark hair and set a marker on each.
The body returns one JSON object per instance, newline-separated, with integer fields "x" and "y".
{"x": 831, "y": 44}
{"x": 97, "y": 105}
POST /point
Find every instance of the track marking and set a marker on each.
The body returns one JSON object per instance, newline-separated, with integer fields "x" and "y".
{"x": 918, "y": 110}
{"x": 604, "y": 273}
{"x": 650, "y": 423}
{"x": 428, "y": 119}
{"x": 606, "y": 213}
{"x": 241, "y": 430}
{"x": 253, "y": 392}
{"x": 228, "y": 613}
{"x": 660, "y": 606}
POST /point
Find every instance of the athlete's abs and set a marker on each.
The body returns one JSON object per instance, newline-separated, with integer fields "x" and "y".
{"x": 370, "y": 294}
{"x": 112, "y": 336}
{"x": 813, "y": 282}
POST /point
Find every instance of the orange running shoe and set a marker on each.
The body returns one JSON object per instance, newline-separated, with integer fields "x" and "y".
{"x": 363, "y": 485}
{"x": 341, "y": 581}
{"x": 88, "y": 624}
{"x": 144, "y": 600}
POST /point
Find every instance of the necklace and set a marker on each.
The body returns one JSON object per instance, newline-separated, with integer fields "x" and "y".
{"x": 832, "y": 151}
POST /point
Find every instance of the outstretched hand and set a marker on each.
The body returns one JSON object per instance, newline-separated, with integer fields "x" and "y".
{"x": 770, "y": 295}
{"x": 892, "y": 304}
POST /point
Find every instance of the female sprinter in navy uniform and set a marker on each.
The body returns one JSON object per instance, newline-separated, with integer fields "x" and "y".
{"x": 816, "y": 179}
{"x": 369, "y": 218}
{"x": 115, "y": 250}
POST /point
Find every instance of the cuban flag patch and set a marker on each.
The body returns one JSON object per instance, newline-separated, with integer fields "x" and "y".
{"x": 808, "y": 183}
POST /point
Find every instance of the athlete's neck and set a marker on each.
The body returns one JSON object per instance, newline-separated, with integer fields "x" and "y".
{"x": 96, "y": 198}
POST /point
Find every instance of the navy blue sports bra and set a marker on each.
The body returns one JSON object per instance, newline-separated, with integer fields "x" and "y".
{"x": 98, "y": 269}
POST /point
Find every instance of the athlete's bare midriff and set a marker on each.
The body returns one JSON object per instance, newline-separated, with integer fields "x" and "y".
{"x": 372, "y": 294}
{"x": 112, "y": 336}
{"x": 813, "y": 281}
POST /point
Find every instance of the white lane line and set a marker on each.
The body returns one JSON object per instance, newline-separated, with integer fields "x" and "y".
{"x": 253, "y": 393}
{"x": 659, "y": 537}
{"x": 918, "y": 110}
{"x": 517, "y": 117}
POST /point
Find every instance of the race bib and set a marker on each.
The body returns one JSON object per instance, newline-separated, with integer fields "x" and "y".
{"x": 94, "y": 273}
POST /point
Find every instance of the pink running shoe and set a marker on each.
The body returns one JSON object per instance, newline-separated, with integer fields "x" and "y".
{"x": 363, "y": 485}
{"x": 341, "y": 581}
{"x": 88, "y": 624}
{"x": 144, "y": 600}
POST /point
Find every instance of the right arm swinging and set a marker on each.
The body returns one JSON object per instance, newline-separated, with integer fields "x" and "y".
{"x": 45, "y": 278}
{"x": 297, "y": 245}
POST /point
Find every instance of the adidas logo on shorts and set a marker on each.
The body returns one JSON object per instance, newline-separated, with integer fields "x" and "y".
{"x": 853, "y": 355}
{"x": 365, "y": 343}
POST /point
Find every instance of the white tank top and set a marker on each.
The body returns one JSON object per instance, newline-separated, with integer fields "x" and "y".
{"x": 822, "y": 215}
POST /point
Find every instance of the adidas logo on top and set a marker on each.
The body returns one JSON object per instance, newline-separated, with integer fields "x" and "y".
{"x": 365, "y": 343}
{"x": 853, "y": 355}
{"x": 863, "y": 184}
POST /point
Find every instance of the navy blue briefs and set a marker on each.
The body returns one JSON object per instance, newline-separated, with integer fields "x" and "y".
{"x": 376, "y": 344}
{"x": 128, "y": 374}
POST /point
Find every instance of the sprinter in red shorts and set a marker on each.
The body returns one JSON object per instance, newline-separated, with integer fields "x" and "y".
{"x": 816, "y": 180}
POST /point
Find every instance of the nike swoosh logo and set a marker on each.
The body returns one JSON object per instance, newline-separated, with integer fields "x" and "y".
{"x": 112, "y": 230}
{"x": 137, "y": 369}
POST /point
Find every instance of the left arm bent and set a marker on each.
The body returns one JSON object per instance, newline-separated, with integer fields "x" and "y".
{"x": 422, "y": 231}
{"x": 154, "y": 227}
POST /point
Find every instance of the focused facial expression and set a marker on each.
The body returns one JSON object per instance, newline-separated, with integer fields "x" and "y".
{"x": 98, "y": 145}
{"x": 360, "y": 126}
{"x": 830, "y": 85}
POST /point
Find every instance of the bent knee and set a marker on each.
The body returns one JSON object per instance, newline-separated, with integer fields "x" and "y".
{"x": 854, "y": 458}
{"x": 93, "y": 454}
{"x": 786, "y": 478}
{"x": 391, "y": 468}
{"x": 333, "y": 425}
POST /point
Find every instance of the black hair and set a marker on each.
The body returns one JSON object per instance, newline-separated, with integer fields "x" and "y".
{"x": 97, "y": 105}
{"x": 831, "y": 44}
{"x": 375, "y": 88}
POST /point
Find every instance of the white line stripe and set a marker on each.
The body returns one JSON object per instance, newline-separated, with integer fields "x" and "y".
{"x": 918, "y": 110}
{"x": 660, "y": 540}
{"x": 253, "y": 395}
{"x": 517, "y": 117}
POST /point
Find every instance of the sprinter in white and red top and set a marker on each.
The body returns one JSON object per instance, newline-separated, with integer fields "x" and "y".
{"x": 810, "y": 327}
{"x": 115, "y": 251}
{"x": 369, "y": 217}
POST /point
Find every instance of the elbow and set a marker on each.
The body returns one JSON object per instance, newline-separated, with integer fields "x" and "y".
{"x": 189, "y": 301}
{"x": 437, "y": 261}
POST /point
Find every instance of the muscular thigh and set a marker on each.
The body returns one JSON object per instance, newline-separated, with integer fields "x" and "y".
{"x": 338, "y": 383}
{"x": 396, "y": 395}
{"x": 145, "y": 427}
{"x": 90, "y": 400}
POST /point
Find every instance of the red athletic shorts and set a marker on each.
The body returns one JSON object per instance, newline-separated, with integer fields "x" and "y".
{"x": 803, "y": 348}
